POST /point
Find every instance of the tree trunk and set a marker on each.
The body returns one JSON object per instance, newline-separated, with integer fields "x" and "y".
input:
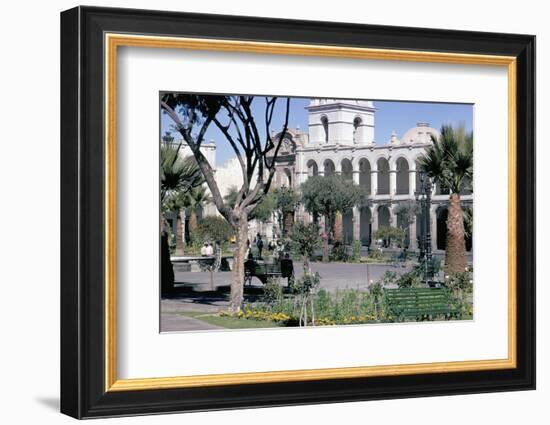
{"x": 180, "y": 220}
{"x": 167, "y": 271}
{"x": 288, "y": 222}
{"x": 455, "y": 253}
{"x": 237, "y": 286}
{"x": 325, "y": 240}
{"x": 338, "y": 227}
{"x": 193, "y": 221}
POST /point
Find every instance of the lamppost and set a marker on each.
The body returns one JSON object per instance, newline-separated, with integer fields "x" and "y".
{"x": 424, "y": 197}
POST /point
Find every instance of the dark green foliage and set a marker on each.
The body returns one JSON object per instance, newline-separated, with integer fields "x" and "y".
{"x": 178, "y": 176}
{"x": 412, "y": 279}
{"x": 264, "y": 209}
{"x": 390, "y": 234}
{"x": 339, "y": 252}
{"x": 355, "y": 252}
{"x": 273, "y": 292}
{"x": 307, "y": 284}
{"x": 212, "y": 229}
{"x": 449, "y": 161}
{"x": 327, "y": 195}
{"x": 433, "y": 266}
{"x": 305, "y": 239}
{"x": 461, "y": 281}
{"x": 287, "y": 200}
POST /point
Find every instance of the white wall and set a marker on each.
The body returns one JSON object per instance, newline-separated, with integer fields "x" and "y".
{"x": 29, "y": 217}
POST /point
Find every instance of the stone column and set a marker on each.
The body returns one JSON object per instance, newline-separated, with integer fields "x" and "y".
{"x": 356, "y": 224}
{"x": 374, "y": 182}
{"x": 412, "y": 182}
{"x": 433, "y": 226}
{"x": 374, "y": 220}
{"x": 393, "y": 216}
{"x": 356, "y": 175}
{"x": 393, "y": 182}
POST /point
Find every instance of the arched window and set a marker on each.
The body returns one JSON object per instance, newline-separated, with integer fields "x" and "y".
{"x": 357, "y": 130}
{"x": 288, "y": 180}
{"x": 312, "y": 169}
{"x": 329, "y": 168}
{"x": 324, "y": 121}
{"x": 383, "y": 177}
{"x": 347, "y": 169}
{"x": 364, "y": 175}
{"x": 402, "y": 178}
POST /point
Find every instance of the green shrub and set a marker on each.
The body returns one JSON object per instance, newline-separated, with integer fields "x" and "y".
{"x": 305, "y": 240}
{"x": 388, "y": 278}
{"x": 375, "y": 255}
{"x": 307, "y": 284}
{"x": 356, "y": 252}
{"x": 461, "y": 281}
{"x": 412, "y": 279}
{"x": 212, "y": 229}
{"x": 390, "y": 235}
{"x": 273, "y": 292}
{"x": 338, "y": 252}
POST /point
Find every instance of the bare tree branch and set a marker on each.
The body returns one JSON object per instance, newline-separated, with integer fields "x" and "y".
{"x": 271, "y": 167}
{"x": 202, "y": 162}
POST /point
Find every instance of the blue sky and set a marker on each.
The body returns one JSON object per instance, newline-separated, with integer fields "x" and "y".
{"x": 390, "y": 116}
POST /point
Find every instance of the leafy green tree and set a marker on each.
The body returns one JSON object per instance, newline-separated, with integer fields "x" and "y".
{"x": 264, "y": 208}
{"x": 390, "y": 234}
{"x": 449, "y": 161}
{"x": 329, "y": 196}
{"x": 304, "y": 241}
{"x": 406, "y": 213}
{"x": 213, "y": 229}
{"x": 286, "y": 202}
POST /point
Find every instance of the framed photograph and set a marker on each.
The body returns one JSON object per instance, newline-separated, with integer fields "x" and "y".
{"x": 261, "y": 212}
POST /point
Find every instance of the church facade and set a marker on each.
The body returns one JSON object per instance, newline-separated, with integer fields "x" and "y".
{"x": 341, "y": 141}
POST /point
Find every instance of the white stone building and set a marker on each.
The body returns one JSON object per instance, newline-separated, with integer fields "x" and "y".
{"x": 340, "y": 140}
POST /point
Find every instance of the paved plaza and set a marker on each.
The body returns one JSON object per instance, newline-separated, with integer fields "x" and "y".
{"x": 334, "y": 276}
{"x": 194, "y": 291}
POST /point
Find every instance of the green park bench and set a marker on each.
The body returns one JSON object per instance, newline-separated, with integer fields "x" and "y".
{"x": 266, "y": 271}
{"x": 419, "y": 303}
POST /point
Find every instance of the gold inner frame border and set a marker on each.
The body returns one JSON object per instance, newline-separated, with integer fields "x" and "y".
{"x": 111, "y": 43}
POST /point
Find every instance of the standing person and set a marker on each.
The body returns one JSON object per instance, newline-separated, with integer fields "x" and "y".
{"x": 248, "y": 250}
{"x": 204, "y": 249}
{"x": 209, "y": 250}
{"x": 259, "y": 245}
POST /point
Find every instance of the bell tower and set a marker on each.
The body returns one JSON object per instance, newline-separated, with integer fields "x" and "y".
{"x": 340, "y": 121}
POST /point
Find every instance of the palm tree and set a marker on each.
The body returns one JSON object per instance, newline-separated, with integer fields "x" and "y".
{"x": 449, "y": 161}
{"x": 177, "y": 177}
{"x": 197, "y": 197}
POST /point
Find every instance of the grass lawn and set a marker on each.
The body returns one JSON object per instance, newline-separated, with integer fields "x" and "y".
{"x": 229, "y": 322}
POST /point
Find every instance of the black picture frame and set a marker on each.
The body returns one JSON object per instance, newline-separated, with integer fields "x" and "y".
{"x": 83, "y": 392}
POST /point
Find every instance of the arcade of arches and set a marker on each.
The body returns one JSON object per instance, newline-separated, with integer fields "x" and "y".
{"x": 389, "y": 182}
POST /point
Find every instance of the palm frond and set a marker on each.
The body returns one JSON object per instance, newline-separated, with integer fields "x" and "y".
{"x": 177, "y": 175}
{"x": 449, "y": 161}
